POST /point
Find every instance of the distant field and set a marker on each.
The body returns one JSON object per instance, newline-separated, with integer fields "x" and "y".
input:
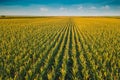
{"x": 60, "y": 48}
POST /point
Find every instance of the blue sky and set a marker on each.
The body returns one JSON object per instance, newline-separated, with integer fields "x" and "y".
{"x": 60, "y": 7}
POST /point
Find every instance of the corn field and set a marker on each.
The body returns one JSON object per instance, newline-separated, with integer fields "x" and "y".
{"x": 60, "y": 48}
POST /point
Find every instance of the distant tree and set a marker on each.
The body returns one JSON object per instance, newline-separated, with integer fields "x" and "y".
{"x": 2, "y": 16}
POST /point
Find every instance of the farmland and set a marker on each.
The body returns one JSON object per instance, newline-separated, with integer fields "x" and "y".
{"x": 60, "y": 48}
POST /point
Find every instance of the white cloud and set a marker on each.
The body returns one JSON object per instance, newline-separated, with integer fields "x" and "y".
{"x": 43, "y": 9}
{"x": 80, "y": 8}
{"x": 62, "y": 8}
{"x": 106, "y": 7}
{"x": 93, "y": 8}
